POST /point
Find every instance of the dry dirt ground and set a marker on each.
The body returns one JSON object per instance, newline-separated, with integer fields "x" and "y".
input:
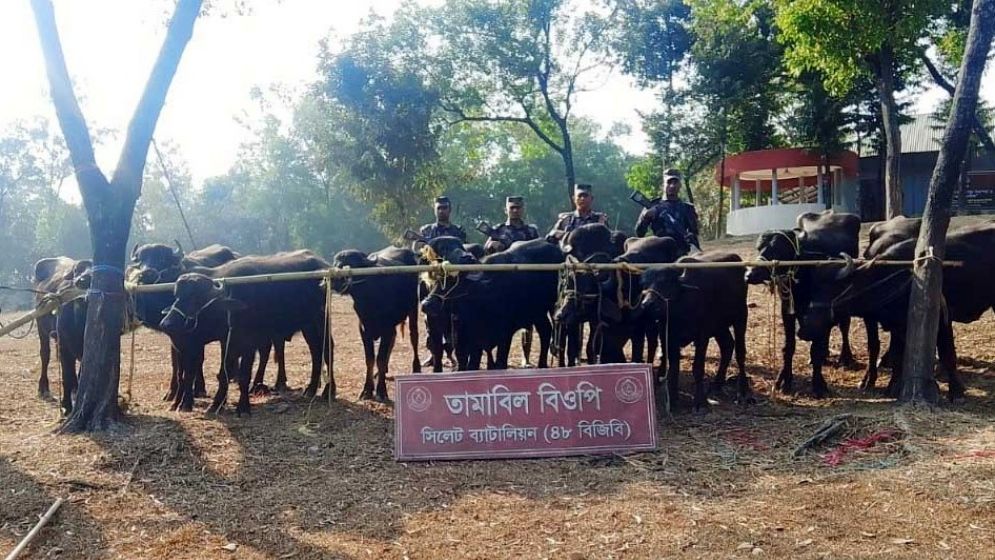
{"x": 298, "y": 479}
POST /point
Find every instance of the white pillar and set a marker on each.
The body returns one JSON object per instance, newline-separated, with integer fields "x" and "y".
{"x": 773, "y": 187}
{"x": 735, "y": 193}
{"x": 819, "y": 187}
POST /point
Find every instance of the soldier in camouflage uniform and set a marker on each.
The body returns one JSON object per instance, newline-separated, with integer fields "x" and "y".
{"x": 514, "y": 229}
{"x": 582, "y": 215}
{"x": 442, "y": 225}
{"x": 671, "y": 216}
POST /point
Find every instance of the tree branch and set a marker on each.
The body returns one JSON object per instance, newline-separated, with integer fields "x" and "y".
{"x": 67, "y": 109}
{"x": 136, "y": 145}
{"x": 526, "y": 120}
{"x": 976, "y": 125}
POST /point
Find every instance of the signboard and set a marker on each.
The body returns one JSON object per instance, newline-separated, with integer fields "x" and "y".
{"x": 525, "y": 413}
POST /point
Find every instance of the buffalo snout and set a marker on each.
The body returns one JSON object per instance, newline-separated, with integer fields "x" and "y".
{"x": 757, "y": 275}
{"x": 432, "y": 305}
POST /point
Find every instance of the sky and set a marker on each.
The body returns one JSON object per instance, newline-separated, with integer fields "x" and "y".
{"x": 110, "y": 47}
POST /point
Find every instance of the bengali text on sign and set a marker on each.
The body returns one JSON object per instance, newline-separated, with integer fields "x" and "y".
{"x": 525, "y": 413}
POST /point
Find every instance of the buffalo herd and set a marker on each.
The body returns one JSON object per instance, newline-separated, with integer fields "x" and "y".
{"x": 629, "y": 314}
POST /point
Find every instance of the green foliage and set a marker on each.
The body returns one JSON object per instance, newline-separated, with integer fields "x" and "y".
{"x": 841, "y": 38}
{"x": 653, "y": 40}
{"x": 34, "y": 221}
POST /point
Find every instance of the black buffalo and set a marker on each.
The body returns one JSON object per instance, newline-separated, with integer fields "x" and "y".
{"x": 880, "y": 237}
{"x": 243, "y": 317}
{"x": 438, "y": 327}
{"x": 818, "y": 236}
{"x": 609, "y": 300}
{"x": 694, "y": 307}
{"x": 488, "y": 308}
{"x": 580, "y": 295}
{"x": 381, "y": 303}
{"x": 155, "y": 263}
{"x": 882, "y": 294}
{"x": 67, "y": 325}
{"x": 50, "y": 275}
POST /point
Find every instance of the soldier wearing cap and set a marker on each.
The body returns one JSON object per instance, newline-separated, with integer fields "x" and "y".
{"x": 582, "y": 215}
{"x": 512, "y": 230}
{"x": 671, "y": 216}
{"x": 442, "y": 225}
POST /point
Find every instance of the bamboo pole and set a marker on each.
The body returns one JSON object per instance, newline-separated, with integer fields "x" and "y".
{"x": 21, "y": 546}
{"x": 575, "y": 267}
{"x": 47, "y": 305}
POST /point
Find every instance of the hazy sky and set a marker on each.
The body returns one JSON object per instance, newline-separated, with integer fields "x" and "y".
{"x": 110, "y": 46}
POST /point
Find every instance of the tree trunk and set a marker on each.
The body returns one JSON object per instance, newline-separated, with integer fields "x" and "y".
{"x": 924, "y": 301}
{"x": 885, "y": 83}
{"x": 568, "y": 163}
{"x": 109, "y": 205}
{"x": 100, "y": 369}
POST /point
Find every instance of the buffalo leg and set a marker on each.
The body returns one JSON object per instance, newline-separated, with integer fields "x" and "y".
{"x": 948, "y": 360}
{"x": 413, "y": 336}
{"x": 673, "y": 374}
{"x": 280, "y": 356}
{"x": 873, "y": 349}
{"x": 888, "y": 358}
{"x": 69, "y": 380}
{"x": 199, "y": 387}
{"x": 526, "y": 346}
{"x": 545, "y": 331}
{"x": 383, "y": 365}
{"x": 434, "y": 340}
{"x": 45, "y": 351}
{"x": 651, "y": 330}
{"x": 174, "y": 380}
{"x": 229, "y": 370}
{"x": 820, "y": 350}
{"x": 638, "y": 342}
{"x": 846, "y": 352}
{"x": 369, "y": 352}
{"x": 786, "y": 378}
{"x": 725, "y": 341}
{"x": 320, "y": 347}
{"x": 244, "y": 375}
{"x": 590, "y": 350}
{"x": 191, "y": 359}
{"x": 699, "y": 404}
{"x": 573, "y": 345}
{"x": 503, "y": 350}
{"x": 259, "y": 383}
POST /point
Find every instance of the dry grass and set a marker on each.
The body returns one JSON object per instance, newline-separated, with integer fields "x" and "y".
{"x": 301, "y": 480}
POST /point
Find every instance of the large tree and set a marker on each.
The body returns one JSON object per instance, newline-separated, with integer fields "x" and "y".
{"x": 522, "y": 62}
{"x": 925, "y": 301}
{"x": 845, "y": 39}
{"x": 109, "y": 203}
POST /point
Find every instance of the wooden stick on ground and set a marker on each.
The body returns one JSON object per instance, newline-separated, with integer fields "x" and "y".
{"x": 21, "y": 546}
{"x": 828, "y": 429}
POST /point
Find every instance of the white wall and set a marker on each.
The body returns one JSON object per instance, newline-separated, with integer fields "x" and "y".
{"x": 754, "y": 220}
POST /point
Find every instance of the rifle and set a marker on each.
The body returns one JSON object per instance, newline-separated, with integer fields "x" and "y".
{"x": 486, "y": 229}
{"x": 641, "y": 199}
{"x": 411, "y": 235}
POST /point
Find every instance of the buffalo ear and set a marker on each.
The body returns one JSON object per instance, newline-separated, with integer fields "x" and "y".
{"x": 232, "y": 304}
